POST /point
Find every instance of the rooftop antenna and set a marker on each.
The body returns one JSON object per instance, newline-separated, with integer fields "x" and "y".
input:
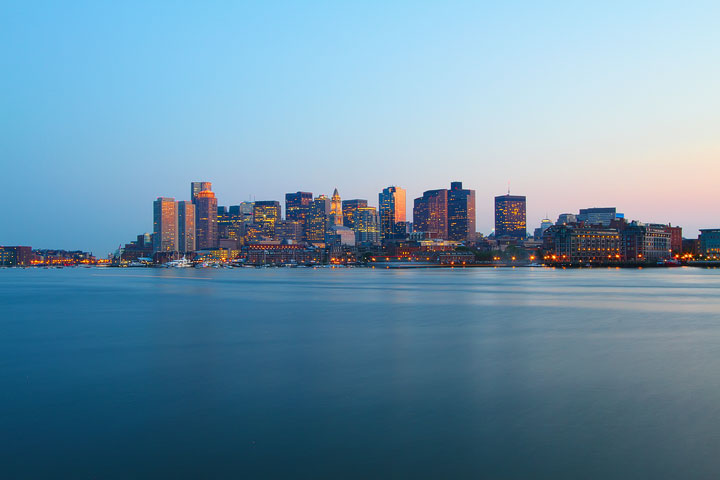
{"x": 508, "y": 187}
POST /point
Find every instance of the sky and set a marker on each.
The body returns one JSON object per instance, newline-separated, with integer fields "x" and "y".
{"x": 107, "y": 105}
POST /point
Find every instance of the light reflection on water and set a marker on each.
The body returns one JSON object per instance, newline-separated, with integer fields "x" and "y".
{"x": 357, "y": 373}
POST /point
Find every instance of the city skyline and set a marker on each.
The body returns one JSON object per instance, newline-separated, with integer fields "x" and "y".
{"x": 574, "y": 105}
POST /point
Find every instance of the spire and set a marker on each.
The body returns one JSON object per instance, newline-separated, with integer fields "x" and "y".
{"x": 335, "y": 193}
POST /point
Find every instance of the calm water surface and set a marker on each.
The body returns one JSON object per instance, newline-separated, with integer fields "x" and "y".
{"x": 301, "y": 373}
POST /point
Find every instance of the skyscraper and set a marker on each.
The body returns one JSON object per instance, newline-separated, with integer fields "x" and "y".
{"x": 336, "y": 214}
{"x": 461, "y": 213}
{"x": 266, "y": 214}
{"x": 349, "y": 210}
{"x": 430, "y": 214}
{"x": 206, "y": 235}
{"x": 391, "y": 203}
{"x": 165, "y": 225}
{"x": 366, "y": 223}
{"x": 317, "y": 220}
{"x": 297, "y": 205}
{"x": 186, "y": 226}
{"x": 510, "y": 216}
{"x": 197, "y": 187}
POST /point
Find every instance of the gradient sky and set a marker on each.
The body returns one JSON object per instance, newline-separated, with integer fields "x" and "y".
{"x": 108, "y": 105}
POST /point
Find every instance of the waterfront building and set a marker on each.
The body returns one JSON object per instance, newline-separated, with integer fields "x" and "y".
{"x": 460, "y": 213}
{"x": 165, "y": 225}
{"x": 349, "y": 211}
{"x": 266, "y": 253}
{"x": 197, "y": 187}
{"x": 142, "y": 247}
{"x": 206, "y": 234}
{"x": 675, "y": 239}
{"x": 582, "y": 244}
{"x": 336, "y": 214}
{"x": 266, "y": 214}
{"x": 366, "y": 222}
{"x": 710, "y": 242}
{"x": 16, "y": 256}
{"x": 598, "y": 215}
{"x": 317, "y": 220}
{"x": 297, "y": 205}
{"x": 510, "y": 216}
{"x": 645, "y": 243}
{"x": 430, "y": 214}
{"x": 391, "y": 208}
{"x": 186, "y": 226}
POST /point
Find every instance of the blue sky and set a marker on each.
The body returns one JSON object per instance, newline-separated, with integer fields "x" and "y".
{"x": 108, "y": 105}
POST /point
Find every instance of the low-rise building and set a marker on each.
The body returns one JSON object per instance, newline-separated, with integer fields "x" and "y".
{"x": 710, "y": 242}
{"x": 16, "y": 256}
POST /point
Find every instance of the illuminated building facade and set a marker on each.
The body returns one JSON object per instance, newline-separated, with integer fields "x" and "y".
{"x": 642, "y": 242}
{"x": 510, "y": 216}
{"x": 391, "y": 207}
{"x": 675, "y": 239}
{"x": 231, "y": 223}
{"x": 297, "y": 205}
{"x": 244, "y": 211}
{"x": 165, "y": 225}
{"x": 317, "y": 220}
{"x": 366, "y": 223}
{"x": 576, "y": 244}
{"x": 430, "y": 214}
{"x": 197, "y": 187}
{"x": 461, "y": 213}
{"x": 336, "y": 213}
{"x": 266, "y": 214}
{"x": 16, "y": 256}
{"x": 186, "y": 226}
{"x": 349, "y": 211}
{"x": 206, "y": 233}
{"x": 710, "y": 242}
{"x": 289, "y": 230}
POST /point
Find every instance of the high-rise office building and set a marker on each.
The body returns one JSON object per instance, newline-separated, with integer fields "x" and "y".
{"x": 231, "y": 223}
{"x": 266, "y": 214}
{"x": 597, "y": 216}
{"x": 206, "y": 234}
{"x": 243, "y": 212}
{"x": 165, "y": 225}
{"x": 289, "y": 231}
{"x": 430, "y": 214}
{"x": 186, "y": 226}
{"x": 297, "y": 205}
{"x": 391, "y": 202}
{"x": 461, "y": 213}
{"x": 197, "y": 187}
{"x": 349, "y": 210}
{"x": 317, "y": 220}
{"x": 336, "y": 214}
{"x": 510, "y": 216}
{"x": 366, "y": 223}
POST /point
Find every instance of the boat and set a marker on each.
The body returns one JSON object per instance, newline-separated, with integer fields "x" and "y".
{"x": 181, "y": 263}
